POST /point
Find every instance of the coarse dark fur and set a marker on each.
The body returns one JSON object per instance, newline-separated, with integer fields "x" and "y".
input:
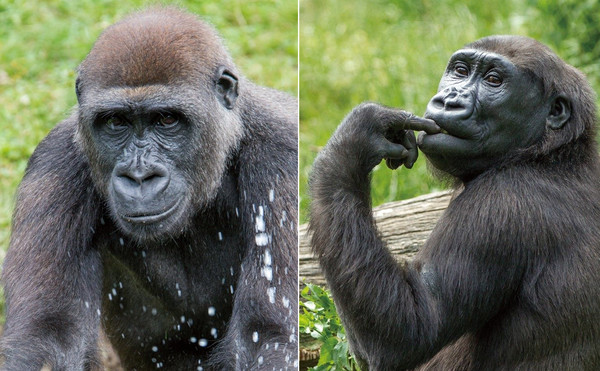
{"x": 508, "y": 279}
{"x": 215, "y": 287}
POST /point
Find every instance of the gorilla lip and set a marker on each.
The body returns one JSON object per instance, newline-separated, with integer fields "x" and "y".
{"x": 148, "y": 218}
{"x": 455, "y": 131}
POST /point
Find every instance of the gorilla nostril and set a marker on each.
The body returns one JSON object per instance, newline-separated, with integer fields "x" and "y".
{"x": 437, "y": 102}
{"x": 453, "y": 105}
{"x": 152, "y": 177}
{"x": 149, "y": 181}
{"x": 128, "y": 180}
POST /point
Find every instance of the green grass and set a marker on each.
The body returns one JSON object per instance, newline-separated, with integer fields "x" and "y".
{"x": 394, "y": 52}
{"x": 42, "y": 42}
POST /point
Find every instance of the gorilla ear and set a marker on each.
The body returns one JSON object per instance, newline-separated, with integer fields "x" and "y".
{"x": 77, "y": 89}
{"x": 226, "y": 88}
{"x": 560, "y": 112}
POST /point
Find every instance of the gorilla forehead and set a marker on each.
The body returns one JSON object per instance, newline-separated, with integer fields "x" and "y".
{"x": 158, "y": 46}
{"x": 516, "y": 48}
{"x": 532, "y": 56}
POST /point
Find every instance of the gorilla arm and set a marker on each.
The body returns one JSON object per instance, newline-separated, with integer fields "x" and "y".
{"x": 263, "y": 326}
{"x": 52, "y": 276}
{"x": 398, "y": 316}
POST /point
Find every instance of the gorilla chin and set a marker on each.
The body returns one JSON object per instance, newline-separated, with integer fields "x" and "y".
{"x": 152, "y": 225}
{"x": 162, "y": 216}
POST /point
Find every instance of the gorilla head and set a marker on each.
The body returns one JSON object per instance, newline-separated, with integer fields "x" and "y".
{"x": 494, "y": 88}
{"x": 159, "y": 128}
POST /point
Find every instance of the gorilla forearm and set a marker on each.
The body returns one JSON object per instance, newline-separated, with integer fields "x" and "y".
{"x": 374, "y": 293}
{"x": 397, "y": 315}
{"x": 58, "y": 318}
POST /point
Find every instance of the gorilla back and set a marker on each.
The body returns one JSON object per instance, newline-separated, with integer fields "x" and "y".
{"x": 164, "y": 209}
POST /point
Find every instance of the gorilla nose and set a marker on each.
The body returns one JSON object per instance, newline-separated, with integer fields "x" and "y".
{"x": 141, "y": 182}
{"x": 450, "y": 104}
{"x": 453, "y": 105}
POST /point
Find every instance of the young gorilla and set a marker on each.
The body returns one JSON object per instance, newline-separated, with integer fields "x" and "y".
{"x": 508, "y": 279}
{"x": 164, "y": 208}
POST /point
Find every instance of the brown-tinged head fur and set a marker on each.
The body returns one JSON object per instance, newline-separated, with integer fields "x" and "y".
{"x": 154, "y": 47}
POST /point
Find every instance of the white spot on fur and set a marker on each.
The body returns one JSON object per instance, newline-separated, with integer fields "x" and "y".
{"x": 271, "y": 294}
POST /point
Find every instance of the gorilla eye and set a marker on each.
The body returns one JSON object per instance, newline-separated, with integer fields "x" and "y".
{"x": 115, "y": 122}
{"x": 461, "y": 70}
{"x": 168, "y": 120}
{"x": 493, "y": 80}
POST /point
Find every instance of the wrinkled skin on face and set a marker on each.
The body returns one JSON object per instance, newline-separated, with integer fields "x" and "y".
{"x": 145, "y": 186}
{"x": 488, "y": 109}
{"x": 155, "y": 156}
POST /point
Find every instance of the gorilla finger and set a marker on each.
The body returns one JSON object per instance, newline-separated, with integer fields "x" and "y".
{"x": 409, "y": 140}
{"x": 394, "y": 151}
{"x": 395, "y": 135}
{"x": 393, "y": 163}
{"x": 410, "y": 143}
{"x": 422, "y": 124}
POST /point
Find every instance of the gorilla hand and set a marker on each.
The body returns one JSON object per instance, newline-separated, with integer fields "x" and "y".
{"x": 372, "y": 132}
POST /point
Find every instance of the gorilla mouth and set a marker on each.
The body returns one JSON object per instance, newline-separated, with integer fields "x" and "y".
{"x": 151, "y": 217}
{"x": 453, "y": 129}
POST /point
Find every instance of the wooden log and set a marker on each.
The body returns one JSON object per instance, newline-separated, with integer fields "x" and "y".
{"x": 403, "y": 225}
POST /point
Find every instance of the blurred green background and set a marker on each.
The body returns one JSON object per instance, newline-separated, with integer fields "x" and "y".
{"x": 394, "y": 52}
{"x": 42, "y": 42}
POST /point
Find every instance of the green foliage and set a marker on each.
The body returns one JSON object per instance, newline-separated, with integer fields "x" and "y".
{"x": 575, "y": 32}
{"x": 319, "y": 319}
{"x": 42, "y": 42}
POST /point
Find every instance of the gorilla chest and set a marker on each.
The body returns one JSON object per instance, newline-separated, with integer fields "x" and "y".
{"x": 182, "y": 289}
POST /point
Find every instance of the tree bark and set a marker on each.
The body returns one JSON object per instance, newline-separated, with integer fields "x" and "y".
{"x": 403, "y": 225}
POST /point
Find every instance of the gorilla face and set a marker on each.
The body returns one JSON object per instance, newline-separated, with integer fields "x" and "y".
{"x": 488, "y": 108}
{"x": 140, "y": 143}
{"x": 157, "y": 152}
{"x": 146, "y": 190}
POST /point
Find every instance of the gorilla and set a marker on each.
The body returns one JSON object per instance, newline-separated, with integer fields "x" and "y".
{"x": 163, "y": 210}
{"x": 508, "y": 278}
